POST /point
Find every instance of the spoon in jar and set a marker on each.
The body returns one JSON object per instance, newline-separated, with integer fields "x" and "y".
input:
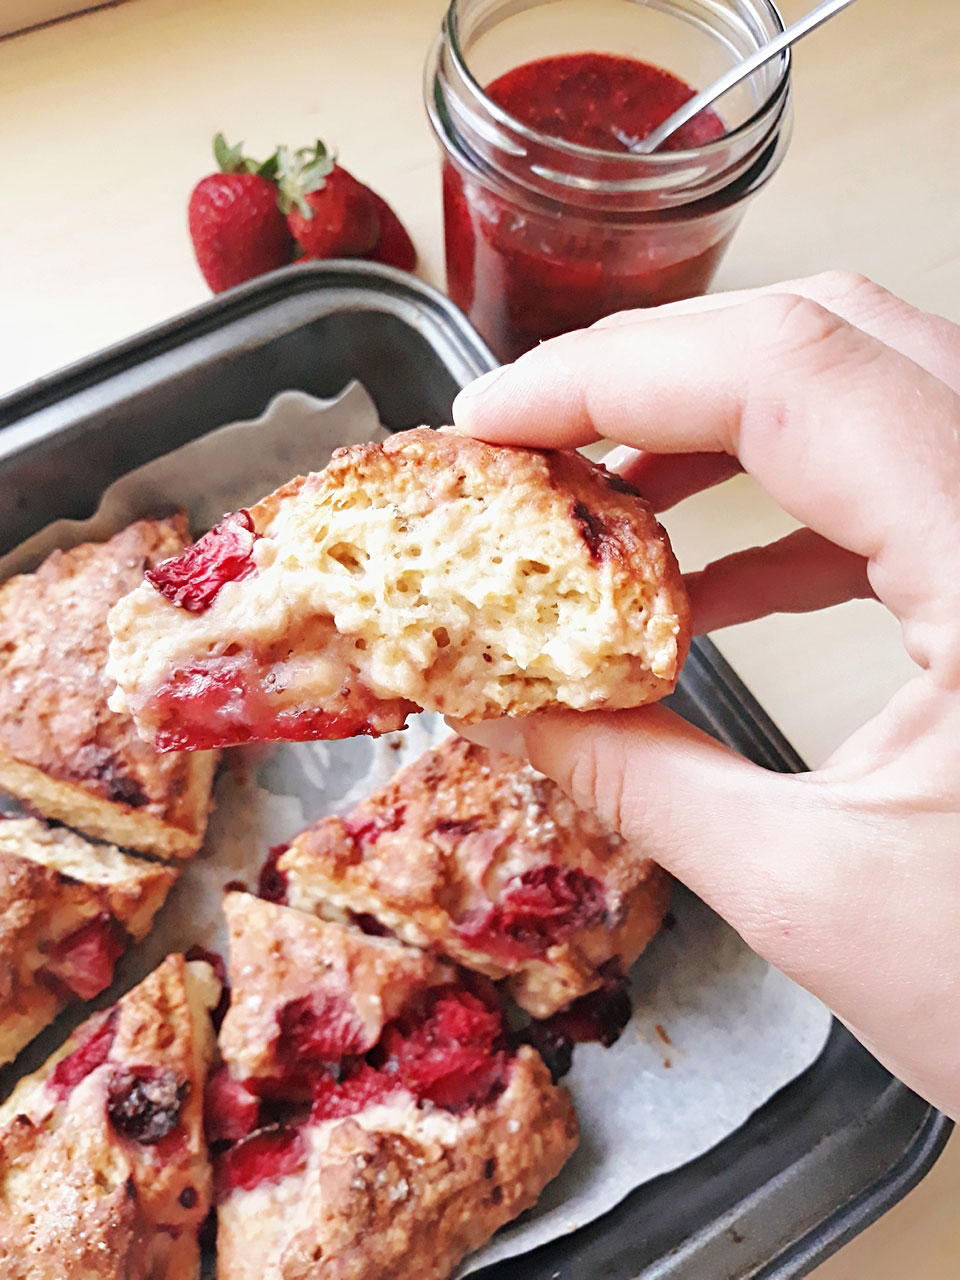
{"x": 803, "y": 26}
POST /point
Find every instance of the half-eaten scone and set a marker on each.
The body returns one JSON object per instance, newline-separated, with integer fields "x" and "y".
{"x": 432, "y": 571}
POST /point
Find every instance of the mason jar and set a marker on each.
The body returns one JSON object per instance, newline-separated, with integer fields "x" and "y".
{"x": 544, "y": 234}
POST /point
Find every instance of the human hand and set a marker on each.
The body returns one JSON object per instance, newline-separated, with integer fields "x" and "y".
{"x": 842, "y": 401}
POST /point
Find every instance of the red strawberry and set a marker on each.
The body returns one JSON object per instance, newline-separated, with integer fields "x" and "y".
{"x": 394, "y": 247}
{"x": 237, "y": 229}
{"x": 329, "y": 212}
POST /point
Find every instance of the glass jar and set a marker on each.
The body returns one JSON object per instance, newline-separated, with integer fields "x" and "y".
{"x": 544, "y": 235}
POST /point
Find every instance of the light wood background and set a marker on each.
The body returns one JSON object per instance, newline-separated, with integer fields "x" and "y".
{"x": 105, "y": 125}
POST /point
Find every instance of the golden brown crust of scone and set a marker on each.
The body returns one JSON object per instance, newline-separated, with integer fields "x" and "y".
{"x": 278, "y": 956}
{"x": 79, "y": 1201}
{"x": 405, "y": 1193}
{"x": 42, "y": 903}
{"x": 445, "y": 837}
{"x": 61, "y": 749}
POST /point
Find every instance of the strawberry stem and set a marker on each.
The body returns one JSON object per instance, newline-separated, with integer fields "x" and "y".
{"x": 301, "y": 172}
{"x": 232, "y": 160}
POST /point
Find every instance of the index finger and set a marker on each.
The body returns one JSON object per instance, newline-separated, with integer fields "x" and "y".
{"x": 850, "y": 437}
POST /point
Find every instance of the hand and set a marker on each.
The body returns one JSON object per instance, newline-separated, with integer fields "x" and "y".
{"x": 842, "y": 401}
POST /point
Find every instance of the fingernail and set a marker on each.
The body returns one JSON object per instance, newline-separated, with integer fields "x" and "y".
{"x": 495, "y": 735}
{"x": 481, "y": 384}
{"x": 620, "y": 459}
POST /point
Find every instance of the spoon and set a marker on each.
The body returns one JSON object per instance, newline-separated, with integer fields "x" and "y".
{"x": 803, "y": 26}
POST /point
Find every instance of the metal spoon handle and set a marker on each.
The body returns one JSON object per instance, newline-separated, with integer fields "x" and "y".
{"x": 803, "y": 26}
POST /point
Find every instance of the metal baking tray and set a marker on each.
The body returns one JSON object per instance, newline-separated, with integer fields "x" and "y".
{"x": 827, "y": 1154}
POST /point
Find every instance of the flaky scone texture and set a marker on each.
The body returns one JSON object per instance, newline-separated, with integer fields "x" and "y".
{"x": 54, "y": 883}
{"x": 452, "y": 839}
{"x": 61, "y": 748}
{"x": 399, "y": 1191}
{"x": 281, "y": 959}
{"x": 81, "y": 1199}
{"x": 433, "y": 570}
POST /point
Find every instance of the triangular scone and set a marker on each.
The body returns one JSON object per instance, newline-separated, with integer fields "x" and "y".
{"x": 411, "y": 1156}
{"x": 477, "y": 856}
{"x": 431, "y": 571}
{"x": 103, "y": 1167}
{"x": 68, "y": 910}
{"x": 394, "y": 1189}
{"x": 62, "y": 750}
{"x": 305, "y": 992}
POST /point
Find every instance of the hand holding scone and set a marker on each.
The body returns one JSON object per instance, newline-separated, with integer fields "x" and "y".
{"x": 843, "y": 402}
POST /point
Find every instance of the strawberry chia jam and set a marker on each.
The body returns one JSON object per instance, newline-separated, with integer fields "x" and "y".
{"x": 551, "y": 218}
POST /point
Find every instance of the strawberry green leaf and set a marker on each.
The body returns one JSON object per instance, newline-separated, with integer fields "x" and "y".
{"x": 301, "y": 172}
{"x": 230, "y": 159}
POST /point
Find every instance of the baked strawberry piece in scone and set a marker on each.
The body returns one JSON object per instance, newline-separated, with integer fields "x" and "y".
{"x": 319, "y": 994}
{"x": 62, "y": 750}
{"x": 431, "y": 571}
{"x": 408, "y": 1156}
{"x": 475, "y": 855}
{"x": 69, "y": 908}
{"x": 103, "y": 1166}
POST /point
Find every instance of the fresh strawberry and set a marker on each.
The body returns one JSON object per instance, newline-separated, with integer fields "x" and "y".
{"x": 394, "y": 248}
{"x": 237, "y": 229}
{"x": 329, "y": 212}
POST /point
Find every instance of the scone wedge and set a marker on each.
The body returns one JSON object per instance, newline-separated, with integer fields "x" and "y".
{"x": 62, "y": 750}
{"x": 103, "y": 1167}
{"x": 476, "y": 856}
{"x": 432, "y": 571}
{"x": 69, "y": 907}
{"x": 305, "y": 993}
{"x": 410, "y": 1155}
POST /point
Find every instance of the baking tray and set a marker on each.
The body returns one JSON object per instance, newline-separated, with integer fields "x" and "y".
{"x": 824, "y": 1157}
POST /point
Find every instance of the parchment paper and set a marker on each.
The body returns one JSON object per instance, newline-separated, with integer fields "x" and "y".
{"x": 715, "y": 1032}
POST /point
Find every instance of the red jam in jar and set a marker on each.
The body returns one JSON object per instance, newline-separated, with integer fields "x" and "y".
{"x": 552, "y": 219}
{"x": 600, "y": 100}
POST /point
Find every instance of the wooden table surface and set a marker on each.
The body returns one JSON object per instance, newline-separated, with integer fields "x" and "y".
{"x": 105, "y": 125}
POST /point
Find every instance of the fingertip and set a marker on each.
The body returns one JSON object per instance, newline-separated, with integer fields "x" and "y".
{"x": 495, "y": 735}
{"x": 467, "y": 400}
{"x": 536, "y": 402}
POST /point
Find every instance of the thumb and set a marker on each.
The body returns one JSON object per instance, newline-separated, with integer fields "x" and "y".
{"x": 739, "y": 836}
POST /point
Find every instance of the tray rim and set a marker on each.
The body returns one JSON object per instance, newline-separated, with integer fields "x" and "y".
{"x": 245, "y": 299}
{"x": 825, "y": 1237}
